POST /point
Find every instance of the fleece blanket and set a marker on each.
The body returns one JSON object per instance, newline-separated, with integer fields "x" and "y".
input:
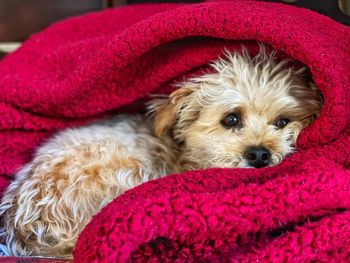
{"x": 107, "y": 62}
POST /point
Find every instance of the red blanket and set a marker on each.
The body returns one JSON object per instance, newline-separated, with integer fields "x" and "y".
{"x": 86, "y": 67}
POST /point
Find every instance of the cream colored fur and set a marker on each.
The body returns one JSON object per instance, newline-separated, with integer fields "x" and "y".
{"x": 80, "y": 170}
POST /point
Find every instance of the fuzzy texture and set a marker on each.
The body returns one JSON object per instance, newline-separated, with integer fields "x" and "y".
{"x": 218, "y": 119}
{"x": 257, "y": 92}
{"x": 74, "y": 175}
{"x": 85, "y": 67}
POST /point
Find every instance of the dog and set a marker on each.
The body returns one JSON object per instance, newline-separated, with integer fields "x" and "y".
{"x": 247, "y": 112}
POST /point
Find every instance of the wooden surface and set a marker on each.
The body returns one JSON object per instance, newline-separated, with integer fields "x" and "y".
{"x": 329, "y": 8}
{"x": 20, "y": 18}
{"x": 344, "y": 6}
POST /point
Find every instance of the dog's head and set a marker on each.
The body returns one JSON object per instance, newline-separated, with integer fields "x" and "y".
{"x": 248, "y": 113}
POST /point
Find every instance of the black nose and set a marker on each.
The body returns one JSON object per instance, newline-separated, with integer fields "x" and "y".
{"x": 258, "y": 156}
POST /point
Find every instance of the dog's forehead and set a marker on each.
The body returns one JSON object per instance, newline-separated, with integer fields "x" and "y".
{"x": 265, "y": 98}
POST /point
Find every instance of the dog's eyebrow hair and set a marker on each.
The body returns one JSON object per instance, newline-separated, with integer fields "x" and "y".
{"x": 291, "y": 117}
{"x": 236, "y": 110}
{"x": 309, "y": 116}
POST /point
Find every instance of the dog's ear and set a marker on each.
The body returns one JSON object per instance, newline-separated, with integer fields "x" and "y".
{"x": 165, "y": 111}
{"x": 307, "y": 92}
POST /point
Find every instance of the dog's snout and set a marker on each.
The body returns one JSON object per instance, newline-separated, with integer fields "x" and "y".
{"x": 258, "y": 156}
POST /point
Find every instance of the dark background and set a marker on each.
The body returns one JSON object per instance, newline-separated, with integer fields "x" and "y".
{"x": 20, "y": 18}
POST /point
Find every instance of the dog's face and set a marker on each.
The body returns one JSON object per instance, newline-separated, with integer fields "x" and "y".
{"x": 248, "y": 113}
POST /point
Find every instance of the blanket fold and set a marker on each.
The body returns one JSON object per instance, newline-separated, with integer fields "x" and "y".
{"x": 88, "y": 67}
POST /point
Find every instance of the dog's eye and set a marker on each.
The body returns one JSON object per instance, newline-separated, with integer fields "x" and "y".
{"x": 230, "y": 120}
{"x": 281, "y": 123}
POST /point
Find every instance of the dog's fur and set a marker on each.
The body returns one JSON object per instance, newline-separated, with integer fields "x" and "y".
{"x": 80, "y": 170}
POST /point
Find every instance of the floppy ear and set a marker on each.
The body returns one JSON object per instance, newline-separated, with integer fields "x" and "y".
{"x": 308, "y": 93}
{"x": 165, "y": 111}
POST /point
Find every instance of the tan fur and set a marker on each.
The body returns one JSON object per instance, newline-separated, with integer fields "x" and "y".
{"x": 261, "y": 90}
{"x": 79, "y": 171}
{"x": 166, "y": 113}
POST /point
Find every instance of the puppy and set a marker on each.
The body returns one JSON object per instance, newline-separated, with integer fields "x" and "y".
{"x": 247, "y": 113}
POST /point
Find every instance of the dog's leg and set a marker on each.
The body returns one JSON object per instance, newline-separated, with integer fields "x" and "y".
{"x": 55, "y": 196}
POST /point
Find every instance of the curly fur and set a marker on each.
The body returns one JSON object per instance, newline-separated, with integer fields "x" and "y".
{"x": 80, "y": 170}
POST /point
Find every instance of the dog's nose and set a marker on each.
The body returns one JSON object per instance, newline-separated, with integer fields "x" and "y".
{"x": 258, "y": 156}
